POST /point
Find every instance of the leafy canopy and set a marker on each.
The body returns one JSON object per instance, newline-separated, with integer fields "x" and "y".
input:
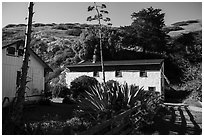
{"x": 148, "y": 24}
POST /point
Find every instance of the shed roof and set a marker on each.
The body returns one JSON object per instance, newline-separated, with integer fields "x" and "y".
{"x": 119, "y": 63}
{"x": 32, "y": 53}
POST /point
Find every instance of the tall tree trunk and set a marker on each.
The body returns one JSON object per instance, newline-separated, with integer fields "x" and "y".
{"x": 18, "y": 104}
{"x": 101, "y": 47}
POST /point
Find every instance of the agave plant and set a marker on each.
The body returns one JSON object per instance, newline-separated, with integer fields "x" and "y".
{"x": 97, "y": 99}
{"x": 115, "y": 98}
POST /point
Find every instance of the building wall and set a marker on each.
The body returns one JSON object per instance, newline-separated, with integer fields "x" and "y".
{"x": 153, "y": 78}
{"x": 10, "y": 66}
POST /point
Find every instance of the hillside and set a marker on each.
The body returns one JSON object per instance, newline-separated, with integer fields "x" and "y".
{"x": 51, "y": 40}
{"x": 184, "y": 27}
{"x": 61, "y": 44}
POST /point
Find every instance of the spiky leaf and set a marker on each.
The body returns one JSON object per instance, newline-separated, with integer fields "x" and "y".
{"x": 104, "y": 11}
{"x": 90, "y": 8}
{"x": 103, "y": 6}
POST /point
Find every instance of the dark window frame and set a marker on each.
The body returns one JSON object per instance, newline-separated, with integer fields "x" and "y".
{"x": 20, "y": 52}
{"x": 143, "y": 73}
{"x": 18, "y": 78}
{"x": 95, "y": 73}
{"x": 8, "y": 51}
{"x": 152, "y": 88}
{"x": 118, "y": 73}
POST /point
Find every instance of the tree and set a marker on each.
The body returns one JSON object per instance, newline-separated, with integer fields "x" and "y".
{"x": 129, "y": 37}
{"x": 89, "y": 41}
{"x": 148, "y": 24}
{"x": 18, "y": 105}
{"x": 99, "y": 17}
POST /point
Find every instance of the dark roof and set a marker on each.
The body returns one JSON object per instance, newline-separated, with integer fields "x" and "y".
{"x": 31, "y": 52}
{"x": 120, "y": 63}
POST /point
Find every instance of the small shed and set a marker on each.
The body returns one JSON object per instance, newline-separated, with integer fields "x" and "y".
{"x": 12, "y": 59}
{"x": 146, "y": 73}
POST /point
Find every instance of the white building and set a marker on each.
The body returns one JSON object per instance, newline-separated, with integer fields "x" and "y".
{"x": 12, "y": 59}
{"x": 146, "y": 73}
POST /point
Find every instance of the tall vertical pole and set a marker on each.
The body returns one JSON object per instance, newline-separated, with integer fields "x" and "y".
{"x": 101, "y": 47}
{"x": 18, "y": 105}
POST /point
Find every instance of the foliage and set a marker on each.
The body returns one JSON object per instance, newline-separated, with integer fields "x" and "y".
{"x": 188, "y": 46}
{"x": 181, "y": 53}
{"x": 151, "y": 104}
{"x": 103, "y": 102}
{"x": 127, "y": 37}
{"x": 54, "y": 74}
{"x": 45, "y": 101}
{"x": 101, "y": 12}
{"x": 193, "y": 81}
{"x": 89, "y": 41}
{"x": 81, "y": 84}
{"x": 112, "y": 83}
{"x": 39, "y": 25}
{"x": 77, "y": 125}
{"x": 148, "y": 24}
{"x": 46, "y": 96}
{"x": 100, "y": 16}
{"x": 68, "y": 100}
{"x": 56, "y": 127}
{"x": 63, "y": 91}
{"x": 74, "y": 32}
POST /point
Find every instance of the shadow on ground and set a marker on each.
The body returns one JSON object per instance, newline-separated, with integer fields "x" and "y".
{"x": 180, "y": 121}
{"x": 37, "y": 113}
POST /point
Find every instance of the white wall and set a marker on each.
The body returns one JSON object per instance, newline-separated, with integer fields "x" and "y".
{"x": 153, "y": 78}
{"x": 10, "y": 66}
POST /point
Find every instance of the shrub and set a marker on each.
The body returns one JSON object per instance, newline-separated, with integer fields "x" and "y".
{"x": 74, "y": 32}
{"x": 46, "y": 96}
{"x": 38, "y": 25}
{"x": 10, "y": 25}
{"x": 68, "y": 100}
{"x": 102, "y": 102}
{"x": 77, "y": 124}
{"x": 64, "y": 91}
{"x": 60, "y": 90}
{"x": 45, "y": 101}
{"x": 112, "y": 83}
{"x": 82, "y": 84}
{"x": 60, "y": 27}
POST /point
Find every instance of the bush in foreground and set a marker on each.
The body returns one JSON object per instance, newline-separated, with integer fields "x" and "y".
{"x": 102, "y": 103}
{"x": 82, "y": 84}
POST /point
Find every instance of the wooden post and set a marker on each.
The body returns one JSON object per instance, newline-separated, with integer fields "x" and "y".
{"x": 18, "y": 105}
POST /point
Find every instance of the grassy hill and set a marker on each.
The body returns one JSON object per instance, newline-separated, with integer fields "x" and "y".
{"x": 184, "y": 27}
{"x": 56, "y": 45}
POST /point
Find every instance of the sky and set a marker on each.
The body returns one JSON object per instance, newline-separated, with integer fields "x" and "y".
{"x": 76, "y": 12}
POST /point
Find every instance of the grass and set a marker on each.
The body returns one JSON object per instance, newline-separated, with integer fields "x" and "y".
{"x": 55, "y": 111}
{"x": 56, "y": 118}
{"x": 53, "y": 119}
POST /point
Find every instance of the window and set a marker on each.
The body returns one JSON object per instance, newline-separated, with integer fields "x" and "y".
{"x": 18, "y": 78}
{"x": 118, "y": 73}
{"x": 152, "y": 88}
{"x": 143, "y": 73}
{"x": 11, "y": 51}
{"x": 96, "y": 73}
{"x": 20, "y": 52}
